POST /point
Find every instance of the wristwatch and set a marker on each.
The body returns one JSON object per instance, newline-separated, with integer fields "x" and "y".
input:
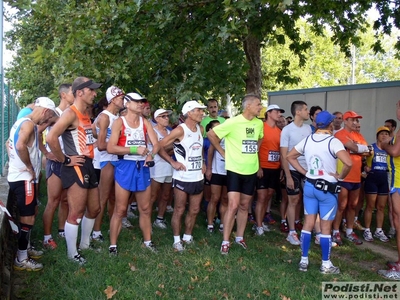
{"x": 67, "y": 160}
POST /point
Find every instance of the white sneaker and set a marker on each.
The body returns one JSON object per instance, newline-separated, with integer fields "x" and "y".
{"x": 131, "y": 215}
{"x": 259, "y": 231}
{"x": 160, "y": 224}
{"x": 178, "y": 246}
{"x": 170, "y": 209}
{"x": 368, "y": 236}
{"x": 381, "y": 236}
{"x": 293, "y": 238}
{"x": 27, "y": 264}
{"x": 265, "y": 227}
{"x": 126, "y": 223}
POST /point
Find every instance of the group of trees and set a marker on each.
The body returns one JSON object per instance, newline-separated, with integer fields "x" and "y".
{"x": 174, "y": 50}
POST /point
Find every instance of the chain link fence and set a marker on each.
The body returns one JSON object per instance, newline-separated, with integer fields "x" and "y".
{"x": 9, "y": 112}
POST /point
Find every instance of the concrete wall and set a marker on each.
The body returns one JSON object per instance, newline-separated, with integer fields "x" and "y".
{"x": 376, "y": 102}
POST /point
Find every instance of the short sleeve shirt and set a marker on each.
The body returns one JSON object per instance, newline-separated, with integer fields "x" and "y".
{"x": 291, "y": 136}
{"x": 241, "y": 143}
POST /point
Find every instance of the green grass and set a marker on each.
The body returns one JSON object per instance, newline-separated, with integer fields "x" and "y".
{"x": 266, "y": 270}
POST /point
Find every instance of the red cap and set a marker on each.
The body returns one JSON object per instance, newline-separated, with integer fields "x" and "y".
{"x": 351, "y": 114}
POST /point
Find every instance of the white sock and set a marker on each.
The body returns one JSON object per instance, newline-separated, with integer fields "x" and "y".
{"x": 304, "y": 260}
{"x": 367, "y": 229}
{"x": 238, "y": 238}
{"x": 86, "y": 229}
{"x": 187, "y": 237}
{"x": 327, "y": 263}
{"x": 177, "y": 239}
{"x": 71, "y": 235}
{"x": 47, "y": 238}
{"x": 147, "y": 243}
{"x": 22, "y": 255}
{"x": 225, "y": 243}
{"x": 335, "y": 231}
{"x": 378, "y": 230}
{"x": 96, "y": 234}
{"x": 349, "y": 231}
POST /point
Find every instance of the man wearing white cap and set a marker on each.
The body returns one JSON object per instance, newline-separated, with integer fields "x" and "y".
{"x": 77, "y": 173}
{"x": 103, "y": 123}
{"x": 270, "y": 164}
{"x": 187, "y": 139}
{"x": 24, "y": 169}
{"x": 161, "y": 173}
{"x": 243, "y": 135}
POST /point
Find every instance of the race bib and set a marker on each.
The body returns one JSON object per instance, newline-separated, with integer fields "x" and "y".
{"x": 249, "y": 147}
{"x": 380, "y": 158}
{"x": 195, "y": 163}
{"x": 273, "y": 156}
{"x": 89, "y": 136}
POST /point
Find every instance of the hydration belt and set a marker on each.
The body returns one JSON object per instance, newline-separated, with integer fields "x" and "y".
{"x": 325, "y": 186}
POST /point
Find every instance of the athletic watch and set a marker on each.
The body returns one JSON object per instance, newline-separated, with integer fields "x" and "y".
{"x": 67, "y": 160}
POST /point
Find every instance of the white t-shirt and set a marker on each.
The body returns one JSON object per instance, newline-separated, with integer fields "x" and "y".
{"x": 161, "y": 167}
{"x": 320, "y": 154}
{"x": 291, "y": 136}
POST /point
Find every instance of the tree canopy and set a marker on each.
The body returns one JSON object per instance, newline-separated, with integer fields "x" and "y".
{"x": 174, "y": 50}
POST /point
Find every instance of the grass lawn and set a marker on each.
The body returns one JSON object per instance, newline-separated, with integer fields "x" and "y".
{"x": 266, "y": 270}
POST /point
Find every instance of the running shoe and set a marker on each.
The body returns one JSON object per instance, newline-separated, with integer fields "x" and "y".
{"x": 210, "y": 229}
{"x": 293, "y": 238}
{"x": 98, "y": 238}
{"x": 259, "y": 231}
{"x": 169, "y": 209}
{"x": 160, "y": 224}
{"x": 268, "y": 219}
{"x": 381, "y": 236}
{"x": 357, "y": 225}
{"x": 337, "y": 238}
{"x": 390, "y": 274}
{"x": 33, "y": 253}
{"x": 264, "y": 227}
{"x": 241, "y": 243}
{"x": 368, "y": 236}
{"x": 331, "y": 270}
{"x": 61, "y": 234}
{"x": 251, "y": 219}
{"x": 298, "y": 226}
{"x": 112, "y": 251}
{"x": 284, "y": 227}
{"x": 27, "y": 265}
{"x": 131, "y": 215}
{"x": 178, "y": 246}
{"x": 317, "y": 241}
{"x": 79, "y": 259}
{"x": 150, "y": 247}
{"x": 392, "y": 233}
{"x": 224, "y": 249}
{"x": 303, "y": 267}
{"x": 188, "y": 242}
{"x": 352, "y": 237}
{"x": 126, "y": 224}
{"x": 50, "y": 244}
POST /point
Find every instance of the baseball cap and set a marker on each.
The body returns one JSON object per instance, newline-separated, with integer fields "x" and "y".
{"x": 76, "y": 85}
{"x": 382, "y": 128}
{"x": 351, "y": 114}
{"x": 45, "y": 103}
{"x": 190, "y": 105}
{"x": 134, "y": 97}
{"x": 161, "y": 111}
{"x": 113, "y": 92}
{"x": 324, "y": 118}
{"x": 275, "y": 107}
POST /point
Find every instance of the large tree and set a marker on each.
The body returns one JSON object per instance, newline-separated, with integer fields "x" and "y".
{"x": 172, "y": 50}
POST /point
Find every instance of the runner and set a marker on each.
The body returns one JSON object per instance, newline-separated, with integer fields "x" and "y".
{"x": 243, "y": 135}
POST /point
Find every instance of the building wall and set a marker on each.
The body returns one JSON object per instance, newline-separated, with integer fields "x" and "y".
{"x": 376, "y": 102}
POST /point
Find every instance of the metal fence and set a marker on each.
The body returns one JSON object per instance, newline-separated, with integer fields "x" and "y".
{"x": 9, "y": 112}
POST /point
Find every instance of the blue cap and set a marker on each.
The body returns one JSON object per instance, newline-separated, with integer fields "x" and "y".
{"x": 324, "y": 118}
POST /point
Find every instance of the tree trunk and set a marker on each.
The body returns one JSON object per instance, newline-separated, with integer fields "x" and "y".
{"x": 252, "y": 48}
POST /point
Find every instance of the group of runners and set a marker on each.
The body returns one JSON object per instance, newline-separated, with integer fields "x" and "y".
{"x": 128, "y": 156}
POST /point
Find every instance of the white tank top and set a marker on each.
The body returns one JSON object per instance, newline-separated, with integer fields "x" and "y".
{"x": 104, "y": 155}
{"x": 218, "y": 163}
{"x": 161, "y": 167}
{"x": 189, "y": 152}
{"x": 17, "y": 169}
{"x": 132, "y": 137}
{"x": 59, "y": 138}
